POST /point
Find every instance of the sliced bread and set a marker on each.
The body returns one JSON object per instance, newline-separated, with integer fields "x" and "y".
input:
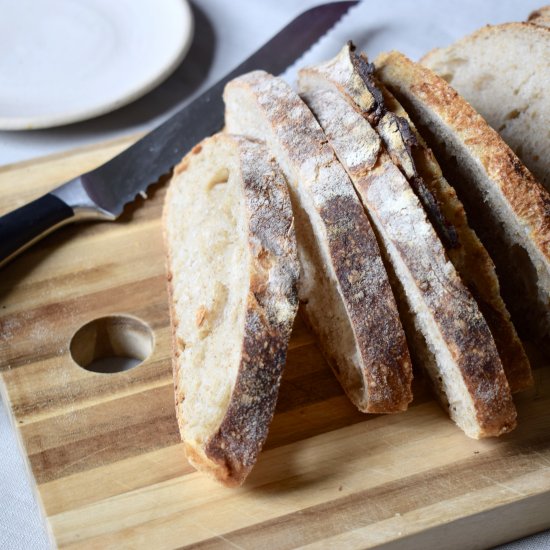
{"x": 456, "y": 346}
{"x": 353, "y": 77}
{"x": 508, "y": 208}
{"x": 469, "y": 256}
{"x": 233, "y": 272}
{"x": 503, "y": 72}
{"x": 344, "y": 285}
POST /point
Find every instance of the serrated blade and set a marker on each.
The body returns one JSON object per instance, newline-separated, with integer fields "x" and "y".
{"x": 117, "y": 182}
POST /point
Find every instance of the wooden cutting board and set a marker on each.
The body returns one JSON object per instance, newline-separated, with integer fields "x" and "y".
{"x": 104, "y": 452}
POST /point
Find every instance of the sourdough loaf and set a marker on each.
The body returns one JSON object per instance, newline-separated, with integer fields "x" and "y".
{"x": 454, "y": 342}
{"x": 233, "y": 272}
{"x": 509, "y": 209}
{"x": 344, "y": 286}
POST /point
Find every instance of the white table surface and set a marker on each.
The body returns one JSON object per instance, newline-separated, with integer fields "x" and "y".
{"x": 226, "y": 33}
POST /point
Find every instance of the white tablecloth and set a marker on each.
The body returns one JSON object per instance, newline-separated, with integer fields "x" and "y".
{"x": 226, "y": 33}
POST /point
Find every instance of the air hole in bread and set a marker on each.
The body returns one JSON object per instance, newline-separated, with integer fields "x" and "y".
{"x": 512, "y": 114}
{"x": 221, "y": 177}
{"x": 200, "y": 315}
{"x": 483, "y": 81}
{"x": 456, "y": 62}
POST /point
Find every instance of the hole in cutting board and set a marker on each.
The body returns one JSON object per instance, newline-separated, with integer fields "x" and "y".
{"x": 112, "y": 344}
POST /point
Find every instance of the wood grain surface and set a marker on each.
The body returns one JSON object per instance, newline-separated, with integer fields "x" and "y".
{"x": 104, "y": 451}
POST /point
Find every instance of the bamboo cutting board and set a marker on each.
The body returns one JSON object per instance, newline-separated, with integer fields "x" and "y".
{"x": 104, "y": 452}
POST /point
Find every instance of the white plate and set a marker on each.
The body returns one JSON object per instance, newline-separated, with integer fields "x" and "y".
{"x": 62, "y": 61}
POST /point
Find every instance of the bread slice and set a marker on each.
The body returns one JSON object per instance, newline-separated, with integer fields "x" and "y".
{"x": 353, "y": 77}
{"x": 344, "y": 286}
{"x": 510, "y": 210}
{"x": 233, "y": 272}
{"x": 540, "y": 17}
{"x": 457, "y": 348}
{"x": 503, "y": 72}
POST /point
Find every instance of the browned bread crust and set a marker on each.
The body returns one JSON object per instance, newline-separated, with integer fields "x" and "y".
{"x": 231, "y": 450}
{"x": 335, "y": 242}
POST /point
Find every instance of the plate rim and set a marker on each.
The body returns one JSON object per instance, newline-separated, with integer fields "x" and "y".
{"x": 165, "y": 70}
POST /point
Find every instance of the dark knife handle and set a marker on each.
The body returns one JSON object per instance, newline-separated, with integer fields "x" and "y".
{"x": 21, "y": 228}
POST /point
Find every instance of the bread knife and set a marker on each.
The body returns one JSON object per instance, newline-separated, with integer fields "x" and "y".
{"x": 102, "y": 193}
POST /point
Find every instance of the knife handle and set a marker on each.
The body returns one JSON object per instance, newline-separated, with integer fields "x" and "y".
{"x": 21, "y": 228}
